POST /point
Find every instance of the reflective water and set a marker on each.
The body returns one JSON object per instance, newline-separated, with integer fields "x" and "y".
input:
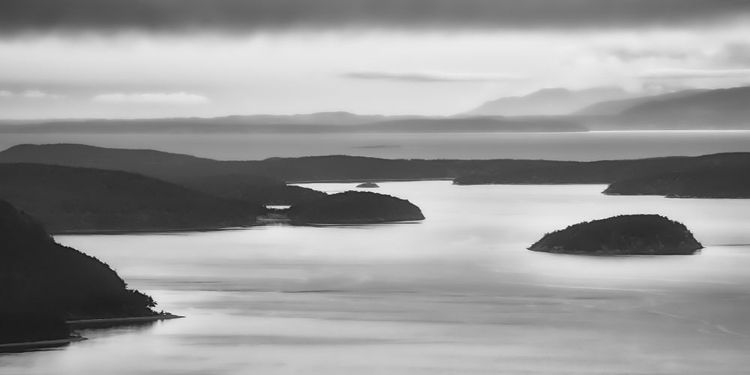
{"x": 454, "y": 294}
{"x": 558, "y": 146}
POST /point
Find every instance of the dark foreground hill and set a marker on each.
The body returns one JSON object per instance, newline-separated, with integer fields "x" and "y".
{"x": 43, "y": 283}
{"x": 68, "y": 199}
{"x": 622, "y": 235}
{"x": 354, "y": 207}
{"x": 723, "y": 181}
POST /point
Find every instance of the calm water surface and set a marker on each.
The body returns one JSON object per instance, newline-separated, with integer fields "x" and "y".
{"x": 558, "y": 146}
{"x": 454, "y": 294}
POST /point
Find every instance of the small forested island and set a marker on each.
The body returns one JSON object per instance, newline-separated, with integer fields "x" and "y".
{"x": 44, "y": 284}
{"x": 709, "y": 182}
{"x": 622, "y": 235}
{"x": 368, "y": 185}
{"x": 354, "y": 207}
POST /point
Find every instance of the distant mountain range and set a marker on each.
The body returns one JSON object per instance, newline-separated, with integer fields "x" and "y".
{"x": 713, "y": 108}
{"x": 548, "y": 102}
{"x": 547, "y": 110}
{"x": 616, "y": 107}
{"x": 719, "y": 109}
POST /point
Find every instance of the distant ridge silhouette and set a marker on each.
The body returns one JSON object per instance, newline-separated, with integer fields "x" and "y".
{"x": 547, "y": 102}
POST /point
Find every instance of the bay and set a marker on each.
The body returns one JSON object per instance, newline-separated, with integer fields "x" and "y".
{"x": 457, "y": 293}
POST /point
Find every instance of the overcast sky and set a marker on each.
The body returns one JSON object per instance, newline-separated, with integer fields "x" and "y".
{"x": 167, "y": 58}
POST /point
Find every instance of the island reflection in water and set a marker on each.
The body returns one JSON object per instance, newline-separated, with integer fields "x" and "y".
{"x": 456, "y": 294}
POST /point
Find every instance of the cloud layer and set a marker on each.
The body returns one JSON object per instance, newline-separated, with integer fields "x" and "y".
{"x": 737, "y": 54}
{"x": 29, "y": 94}
{"x": 432, "y": 76}
{"x": 151, "y": 98}
{"x": 681, "y": 74}
{"x": 21, "y": 16}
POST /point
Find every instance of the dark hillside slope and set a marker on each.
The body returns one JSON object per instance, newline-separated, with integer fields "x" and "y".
{"x": 727, "y": 181}
{"x": 231, "y": 179}
{"x": 167, "y": 166}
{"x": 607, "y": 171}
{"x": 358, "y": 169}
{"x": 44, "y": 283}
{"x": 227, "y": 179}
{"x": 83, "y": 199}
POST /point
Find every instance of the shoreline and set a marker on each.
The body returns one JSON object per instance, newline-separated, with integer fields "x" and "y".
{"x": 17, "y": 347}
{"x": 110, "y": 322}
{"x": 148, "y": 231}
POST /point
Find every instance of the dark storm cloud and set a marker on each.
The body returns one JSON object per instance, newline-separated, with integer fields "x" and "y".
{"x": 22, "y": 16}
